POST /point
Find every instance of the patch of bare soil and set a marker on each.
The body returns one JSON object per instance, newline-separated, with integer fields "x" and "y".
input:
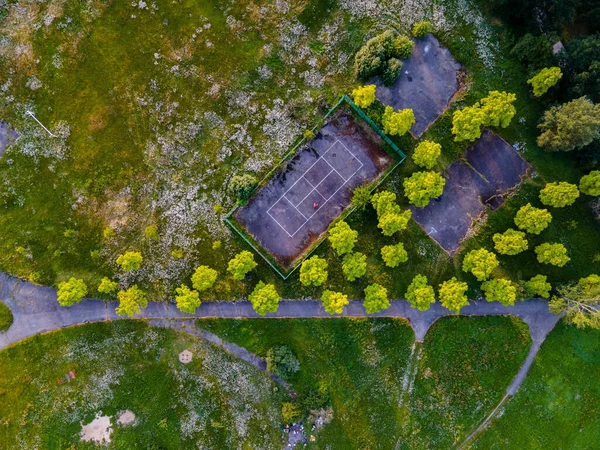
{"x": 98, "y": 430}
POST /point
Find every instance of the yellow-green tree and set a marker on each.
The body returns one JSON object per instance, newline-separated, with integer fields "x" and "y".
{"x": 241, "y": 264}
{"x": 264, "y": 298}
{"x": 421, "y": 29}
{"x": 397, "y": 123}
{"x": 533, "y": 220}
{"x": 70, "y": 292}
{"x": 559, "y": 195}
{"x": 590, "y": 183}
{"x": 538, "y": 286}
{"x": 481, "y": 263}
{"x": 130, "y": 261}
{"x": 131, "y": 301}
{"x": 354, "y": 265}
{"x": 426, "y": 154}
{"x": 544, "y": 80}
{"x": 342, "y": 238}
{"x": 204, "y": 277}
{"x": 552, "y": 253}
{"x": 107, "y": 286}
{"x": 376, "y": 298}
{"x": 467, "y": 122}
{"x": 511, "y": 242}
{"x": 364, "y": 96}
{"x": 313, "y": 271}
{"x": 421, "y": 187}
{"x": 334, "y": 302}
{"x": 187, "y": 300}
{"x": 393, "y": 255}
{"x": 498, "y": 108}
{"x": 419, "y": 294}
{"x": 452, "y": 294}
{"x": 500, "y": 290}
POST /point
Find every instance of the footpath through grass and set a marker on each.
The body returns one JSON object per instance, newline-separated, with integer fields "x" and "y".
{"x": 557, "y": 406}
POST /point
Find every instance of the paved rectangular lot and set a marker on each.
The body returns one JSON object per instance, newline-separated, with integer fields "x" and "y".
{"x": 313, "y": 188}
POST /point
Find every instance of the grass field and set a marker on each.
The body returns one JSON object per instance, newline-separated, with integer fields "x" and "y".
{"x": 159, "y": 104}
{"x": 6, "y": 317}
{"x": 556, "y": 406}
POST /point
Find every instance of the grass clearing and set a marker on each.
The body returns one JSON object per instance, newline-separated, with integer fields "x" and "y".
{"x": 6, "y": 317}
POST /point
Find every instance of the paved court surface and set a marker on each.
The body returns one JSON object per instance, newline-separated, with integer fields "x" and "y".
{"x": 426, "y": 85}
{"x": 492, "y": 169}
{"x": 8, "y": 136}
{"x": 297, "y": 205}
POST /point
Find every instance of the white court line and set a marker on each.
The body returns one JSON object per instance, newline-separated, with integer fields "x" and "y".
{"x": 314, "y": 188}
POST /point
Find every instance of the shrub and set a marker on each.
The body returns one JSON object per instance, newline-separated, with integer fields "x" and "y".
{"x": 452, "y": 294}
{"x": 108, "y": 232}
{"x": 552, "y": 253}
{"x": 242, "y": 185}
{"x": 394, "y": 254}
{"x": 421, "y": 29}
{"x": 532, "y": 220}
{"x": 131, "y": 301}
{"x": 397, "y": 123}
{"x": 216, "y": 245}
{"x": 107, "y": 286}
{"x": 361, "y": 196}
{"x": 559, "y": 195}
{"x": 481, "y": 263}
{"x": 419, "y": 294}
{"x": 391, "y": 71}
{"x": 538, "y": 286}
{"x": 177, "y": 253}
{"x": 364, "y": 96}
{"x": 70, "y": 292}
{"x": 511, "y": 242}
{"x": 467, "y": 122}
{"x": 130, "y": 261}
{"x": 544, "y": 80}
{"x": 187, "y": 299}
{"x": 334, "y": 302}
{"x": 498, "y": 108}
{"x": 204, "y": 278}
{"x": 403, "y": 47}
{"x": 501, "y": 290}
{"x": 426, "y": 154}
{"x": 421, "y": 187}
{"x": 313, "y": 271}
{"x": 354, "y": 265}
{"x": 264, "y": 298}
{"x": 151, "y": 232}
{"x": 590, "y": 183}
{"x": 369, "y": 60}
{"x": 289, "y": 412}
{"x": 570, "y": 126}
{"x": 308, "y": 135}
{"x": 376, "y": 298}
{"x": 281, "y": 361}
{"x": 342, "y": 238}
{"x": 241, "y": 264}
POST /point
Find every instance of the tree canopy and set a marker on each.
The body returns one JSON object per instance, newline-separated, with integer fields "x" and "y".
{"x": 397, "y": 123}
{"x": 241, "y": 264}
{"x": 426, "y": 154}
{"x": 130, "y": 261}
{"x": 511, "y": 242}
{"x": 544, "y": 80}
{"x": 467, "y": 122}
{"x": 342, "y": 238}
{"x": 580, "y": 302}
{"x": 419, "y": 294}
{"x": 187, "y": 300}
{"x": 70, "y": 292}
{"x": 552, "y": 253}
{"x": 107, "y": 286}
{"x": 242, "y": 185}
{"x": 376, "y": 298}
{"x": 481, "y": 263}
{"x": 500, "y": 290}
{"x": 313, "y": 271}
{"x": 354, "y": 265}
{"x": 131, "y": 301}
{"x": 494, "y": 110}
{"x": 264, "y": 298}
{"x": 204, "y": 278}
{"x": 590, "y": 183}
{"x": 361, "y": 197}
{"x": 452, "y": 294}
{"x": 334, "y": 302}
{"x": 393, "y": 255}
{"x": 559, "y": 195}
{"x": 533, "y": 220}
{"x": 364, "y": 96}
{"x": 421, "y": 187}
{"x": 538, "y": 286}
{"x": 421, "y": 29}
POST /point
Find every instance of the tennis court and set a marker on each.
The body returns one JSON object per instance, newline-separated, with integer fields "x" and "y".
{"x": 288, "y": 214}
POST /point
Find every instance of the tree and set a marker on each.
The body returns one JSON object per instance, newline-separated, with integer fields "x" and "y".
{"x": 467, "y": 122}
{"x": 391, "y": 71}
{"x": 590, "y": 183}
{"x": 544, "y": 80}
{"x": 570, "y": 126}
{"x": 187, "y": 299}
{"x": 242, "y": 185}
{"x": 552, "y": 253}
{"x": 364, "y": 96}
{"x": 500, "y": 290}
{"x": 361, "y": 196}
{"x": 151, "y": 232}
{"x": 511, "y": 242}
{"x": 394, "y": 254}
{"x": 342, "y": 238}
{"x": 131, "y": 301}
{"x": 481, "y": 263}
{"x": 538, "y": 286}
{"x": 421, "y": 187}
{"x": 426, "y": 154}
{"x": 452, "y": 294}
{"x": 264, "y": 298}
{"x": 204, "y": 278}
{"x": 498, "y": 108}
{"x": 559, "y": 195}
{"x": 419, "y": 294}
{"x": 583, "y": 61}
{"x": 313, "y": 271}
{"x": 384, "y": 202}
{"x": 403, "y": 47}
{"x": 376, "y": 298}
{"x": 107, "y": 286}
{"x": 354, "y": 265}
{"x": 397, "y": 123}
{"x": 532, "y": 220}
{"x": 130, "y": 261}
{"x": 281, "y": 361}
{"x": 392, "y": 222}
{"x": 421, "y": 29}
{"x": 370, "y": 59}
{"x": 241, "y": 264}
{"x": 580, "y": 302}
{"x": 70, "y": 292}
{"x": 334, "y": 302}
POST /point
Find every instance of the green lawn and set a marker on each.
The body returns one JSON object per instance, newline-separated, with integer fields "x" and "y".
{"x": 6, "y": 317}
{"x": 366, "y": 368}
{"x": 557, "y": 405}
{"x": 216, "y": 401}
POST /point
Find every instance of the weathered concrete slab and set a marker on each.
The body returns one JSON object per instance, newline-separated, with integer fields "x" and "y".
{"x": 427, "y": 83}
